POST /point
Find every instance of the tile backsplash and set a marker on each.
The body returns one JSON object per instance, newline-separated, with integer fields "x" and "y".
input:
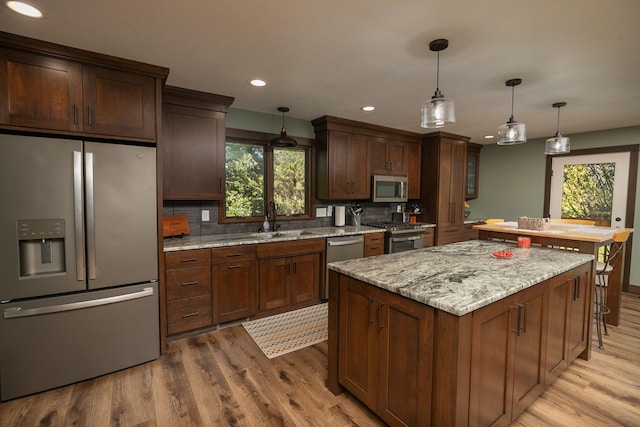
{"x": 373, "y": 212}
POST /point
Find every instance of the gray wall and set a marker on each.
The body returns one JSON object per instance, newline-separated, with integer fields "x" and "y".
{"x": 512, "y": 180}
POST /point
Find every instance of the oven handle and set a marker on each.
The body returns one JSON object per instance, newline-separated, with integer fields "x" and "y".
{"x": 405, "y": 239}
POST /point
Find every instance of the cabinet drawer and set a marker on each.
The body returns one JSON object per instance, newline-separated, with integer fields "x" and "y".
{"x": 184, "y": 259}
{"x": 373, "y": 244}
{"x": 188, "y": 313}
{"x": 234, "y": 253}
{"x": 188, "y": 282}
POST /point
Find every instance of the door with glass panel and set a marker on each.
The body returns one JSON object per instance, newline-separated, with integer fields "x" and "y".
{"x": 590, "y": 187}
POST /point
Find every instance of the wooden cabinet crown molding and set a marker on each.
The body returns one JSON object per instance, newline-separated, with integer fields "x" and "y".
{"x": 346, "y": 125}
{"x": 26, "y": 44}
{"x": 196, "y": 99}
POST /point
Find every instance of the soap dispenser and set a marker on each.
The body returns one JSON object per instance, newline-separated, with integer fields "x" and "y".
{"x": 265, "y": 224}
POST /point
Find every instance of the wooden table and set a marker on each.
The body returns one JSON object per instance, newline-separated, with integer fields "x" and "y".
{"x": 587, "y": 239}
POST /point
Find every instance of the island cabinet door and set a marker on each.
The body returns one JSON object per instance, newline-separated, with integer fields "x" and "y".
{"x": 559, "y": 290}
{"x": 357, "y": 358}
{"x": 529, "y": 349}
{"x": 492, "y": 343}
{"x": 405, "y": 355}
{"x": 579, "y": 315}
{"x": 507, "y": 357}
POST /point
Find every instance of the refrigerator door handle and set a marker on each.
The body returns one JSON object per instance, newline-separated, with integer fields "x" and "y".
{"x": 78, "y": 214}
{"x": 91, "y": 223}
{"x": 14, "y": 312}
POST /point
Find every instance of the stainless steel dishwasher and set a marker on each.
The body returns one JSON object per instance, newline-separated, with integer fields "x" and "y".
{"x": 342, "y": 249}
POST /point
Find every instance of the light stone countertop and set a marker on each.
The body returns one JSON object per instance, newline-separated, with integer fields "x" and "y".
{"x": 226, "y": 240}
{"x": 461, "y": 277}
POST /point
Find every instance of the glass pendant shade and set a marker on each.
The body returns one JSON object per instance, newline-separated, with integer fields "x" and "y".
{"x": 512, "y": 133}
{"x": 438, "y": 112}
{"x": 557, "y": 145}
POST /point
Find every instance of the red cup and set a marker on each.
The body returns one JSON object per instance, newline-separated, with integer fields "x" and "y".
{"x": 524, "y": 242}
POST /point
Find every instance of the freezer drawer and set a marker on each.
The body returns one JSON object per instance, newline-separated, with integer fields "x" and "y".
{"x": 52, "y": 342}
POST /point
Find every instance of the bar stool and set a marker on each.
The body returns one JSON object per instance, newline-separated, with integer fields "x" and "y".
{"x": 603, "y": 270}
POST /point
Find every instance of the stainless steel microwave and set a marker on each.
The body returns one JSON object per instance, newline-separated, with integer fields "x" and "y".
{"x": 389, "y": 188}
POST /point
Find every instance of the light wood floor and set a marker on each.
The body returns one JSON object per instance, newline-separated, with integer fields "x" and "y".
{"x": 222, "y": 378}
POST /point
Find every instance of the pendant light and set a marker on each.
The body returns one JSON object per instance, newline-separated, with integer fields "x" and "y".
{"x": 283, "y": 140}
{"x": 512, "y": 132}
{"x": 438, "y": 111}
{"x": 558, "y": 144}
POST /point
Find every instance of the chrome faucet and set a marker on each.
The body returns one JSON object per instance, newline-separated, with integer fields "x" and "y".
{"x": 274, "y": 213}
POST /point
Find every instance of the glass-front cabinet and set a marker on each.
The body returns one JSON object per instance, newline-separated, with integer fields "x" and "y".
{"x": 473, "y": 170}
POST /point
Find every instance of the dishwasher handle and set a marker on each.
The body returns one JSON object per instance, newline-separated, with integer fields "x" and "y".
{"x": 345, "y": 242}
{"x": 14, "y": 312}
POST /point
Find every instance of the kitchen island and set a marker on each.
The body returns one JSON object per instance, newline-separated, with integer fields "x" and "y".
{"x": 577, "y": 237}
{"x": 450, "y": 335}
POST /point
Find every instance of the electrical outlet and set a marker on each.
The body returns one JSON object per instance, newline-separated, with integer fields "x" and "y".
{"x": 205, "y": 215}
{"x": 329, "y": 210}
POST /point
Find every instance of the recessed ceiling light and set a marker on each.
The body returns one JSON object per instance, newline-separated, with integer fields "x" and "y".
{"x": 258, "y": 83}
{"x": 24, "y": 9}
{"x": 368, "y": 108}
{"x": 488, "y": 137}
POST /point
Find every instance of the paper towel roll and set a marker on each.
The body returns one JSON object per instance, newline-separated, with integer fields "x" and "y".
{"x": 339, "y": 216}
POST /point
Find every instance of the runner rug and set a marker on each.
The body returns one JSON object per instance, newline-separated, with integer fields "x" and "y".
{"x": 287, "y": 332}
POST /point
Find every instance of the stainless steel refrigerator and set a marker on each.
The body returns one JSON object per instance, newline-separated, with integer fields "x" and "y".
{"x": 78, "y": 261}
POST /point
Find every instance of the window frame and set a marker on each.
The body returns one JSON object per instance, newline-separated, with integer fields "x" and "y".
{"x": 262, "y": 138}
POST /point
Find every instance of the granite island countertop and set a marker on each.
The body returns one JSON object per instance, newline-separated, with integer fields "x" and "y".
{"x": 237, "y": 239}
{"x": 461, "y": 277}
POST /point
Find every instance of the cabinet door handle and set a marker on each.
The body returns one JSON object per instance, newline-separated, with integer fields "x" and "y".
{"x": 196, "y": 313}
{"x": 524, "y": 318}
{"x": 221, "y": 184}
{"x": 75, "y": 113}
{"x": 231, "y": 267}
{"x": 288, "y": 268}
{"x": 189, "y": 283}
{"x": 577, "y": 288}
{"x": 295, "y": 267}
{"x": 232, "y": 255}
{"x": 89, "y": 116}
{"x": 369, "y": 311}
{"x": 517, "y": 329}
{"x": 380, "y": 325}
{"x": 189, "y": 260}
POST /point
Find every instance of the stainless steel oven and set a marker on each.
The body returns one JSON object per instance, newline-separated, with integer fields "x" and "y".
{"x": 400, "y": 237}
{"x": 401, "y": 242}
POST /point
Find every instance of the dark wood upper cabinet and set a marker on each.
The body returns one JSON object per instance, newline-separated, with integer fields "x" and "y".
{"x": 118, "y": 103}
{"x": 193, "y": 144}
{"x": 40, "y": 91}
{"x": 414, "y": 160}
{"x": 388, "y": 157}
{"x": 53, "y": 89}
{"x": 348, "y": 153}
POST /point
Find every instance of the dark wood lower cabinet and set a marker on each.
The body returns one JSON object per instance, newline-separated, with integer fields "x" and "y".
{"x": 507, "y": 362}
{"x": 416, "y": 365}
{"x": 568, "y": 332}
{"x": 385, "y": 352}
{"x": 234, "y": 283}
{"x": 290, "y": 274}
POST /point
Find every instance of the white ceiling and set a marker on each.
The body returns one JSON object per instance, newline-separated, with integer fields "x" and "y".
{"x": 334, "y": 56}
